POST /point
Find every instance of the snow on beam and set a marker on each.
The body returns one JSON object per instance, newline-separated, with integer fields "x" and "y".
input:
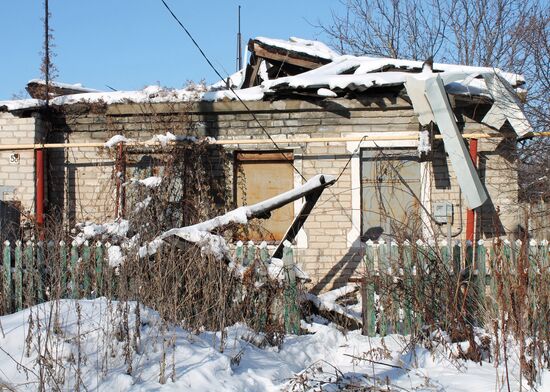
{"x": 215, "y": 245}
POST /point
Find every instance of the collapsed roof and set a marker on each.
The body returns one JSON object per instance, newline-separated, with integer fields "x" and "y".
{"x": 297, "y": 66}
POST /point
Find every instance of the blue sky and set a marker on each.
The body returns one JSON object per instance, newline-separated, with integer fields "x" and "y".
{"x": 128, "y": 44}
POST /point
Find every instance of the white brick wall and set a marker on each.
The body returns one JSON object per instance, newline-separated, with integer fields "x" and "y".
{"x": 19, "y": 177}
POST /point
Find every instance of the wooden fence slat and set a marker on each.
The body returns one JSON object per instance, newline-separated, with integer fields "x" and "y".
{"x": 408, "y": 283}
{"x": 368, "y": 306}
{"x": 250, "y": 254}
{"x": 98, "y": 289}
{"x": 291, "y": 310}
{"x": 40, "y": 271}
{"x": 481, "y": 253}
{"x": 457, "y": 257}
{"x": 18, "y": 276}
{"x": 239, "y": 253}
{"x": 7, "y": 285}
{"x": 73, "y": 270}
{"x": 86, "y": 268}
{"x": 28, "y": 274}
{"x": 383, "y": 267}
{"x": 63, "y": 271}
{"x": 419, "y": 278}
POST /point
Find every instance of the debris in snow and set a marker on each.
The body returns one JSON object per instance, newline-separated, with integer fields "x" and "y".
{"x": 327, "y": 306}
{"x": 325, "y": 92}
{"x": 115, "y": 140}
{"x": 424, "y": 145}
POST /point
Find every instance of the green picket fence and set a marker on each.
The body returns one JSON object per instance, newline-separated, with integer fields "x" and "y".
{"x": 400, "y": 278}
{"x": 31, "y": 273}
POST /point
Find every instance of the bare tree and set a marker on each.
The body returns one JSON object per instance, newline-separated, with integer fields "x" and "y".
{"x": 388, "y": 28}
{"x": 510, "y": 34}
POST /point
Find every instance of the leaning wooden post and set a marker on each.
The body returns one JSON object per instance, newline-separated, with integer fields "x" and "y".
{"x": 86, "y": 268}
{"x": 29, "y": 272}
{"x": 367, "y": 293}
{"x": 6, "y": 290}
{"x": 291, "y": 310}
{"x": 18, "y": 276}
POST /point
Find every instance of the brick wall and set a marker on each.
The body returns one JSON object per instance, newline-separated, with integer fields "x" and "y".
{"x": 17, "y": 174}
{"x": 82, "y": 180}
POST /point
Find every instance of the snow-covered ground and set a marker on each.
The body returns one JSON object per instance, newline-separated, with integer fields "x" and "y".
{"x": 325, "y": 357}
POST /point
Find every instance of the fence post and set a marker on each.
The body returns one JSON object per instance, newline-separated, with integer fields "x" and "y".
{"x": 40, "y": 270}
{"x": 29, "y": 272}
{"x": 291, "y": 311}
{"x": 6, "y": 290}
{"x": 98, "y": 269}
{"x": 18, "y": 276}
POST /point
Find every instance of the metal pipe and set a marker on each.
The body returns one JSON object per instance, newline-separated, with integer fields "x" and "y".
{"x": 39, "y": 161}
{"x": 408, "y": 136}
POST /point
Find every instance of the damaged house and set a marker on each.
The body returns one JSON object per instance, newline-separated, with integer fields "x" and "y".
{"x": 419, "y": 150}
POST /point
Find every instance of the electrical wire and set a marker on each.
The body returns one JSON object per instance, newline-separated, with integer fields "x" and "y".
{"x": 232, "y": 90}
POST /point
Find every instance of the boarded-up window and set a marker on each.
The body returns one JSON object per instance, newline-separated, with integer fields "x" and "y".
{"x": 390, "y": 193}
{"x": 261, "y": 175}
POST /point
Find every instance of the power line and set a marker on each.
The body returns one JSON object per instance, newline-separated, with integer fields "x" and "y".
{"x": 232, "y": 90}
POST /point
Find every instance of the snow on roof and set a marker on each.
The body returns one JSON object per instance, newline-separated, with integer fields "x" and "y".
{"x": 294, "y": 44}
{"x": 357, "y": 73}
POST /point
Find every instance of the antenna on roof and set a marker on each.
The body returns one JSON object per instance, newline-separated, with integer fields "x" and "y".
{"x": 239, "y": 43}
